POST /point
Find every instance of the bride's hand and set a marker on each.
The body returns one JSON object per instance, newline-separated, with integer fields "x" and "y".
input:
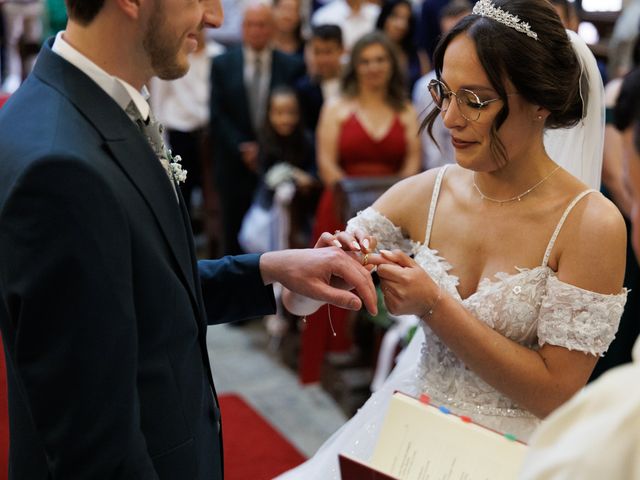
{"x": 356, "y": 243}
{"x": 407, "y": 288}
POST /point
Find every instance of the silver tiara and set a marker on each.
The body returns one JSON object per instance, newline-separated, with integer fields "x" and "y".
{"x": 486, "y": 8}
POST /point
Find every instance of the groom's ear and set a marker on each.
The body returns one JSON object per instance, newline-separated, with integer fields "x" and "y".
{"x": 132, "y": 8}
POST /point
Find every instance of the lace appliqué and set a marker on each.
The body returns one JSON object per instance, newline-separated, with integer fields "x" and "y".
{"x": 388, "y": 235}
{"x": 579, "y": 319}
{"x": 530, "y": 307}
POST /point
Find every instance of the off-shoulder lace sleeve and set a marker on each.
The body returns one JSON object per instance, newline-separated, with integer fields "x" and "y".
{"x": 377, "y": 225}
{"x": 579, "y": 319}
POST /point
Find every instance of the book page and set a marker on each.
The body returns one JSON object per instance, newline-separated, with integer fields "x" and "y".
{"x": 419, "y": 442}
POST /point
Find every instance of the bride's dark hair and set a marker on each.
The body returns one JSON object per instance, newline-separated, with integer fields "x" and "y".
{"x": 545, "y": 72}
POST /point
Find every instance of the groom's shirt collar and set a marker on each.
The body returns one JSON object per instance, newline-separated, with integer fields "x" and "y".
{"x": 121, "y": 92}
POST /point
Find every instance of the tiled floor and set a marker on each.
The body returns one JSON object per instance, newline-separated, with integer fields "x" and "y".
{"x": 241, "y": 364}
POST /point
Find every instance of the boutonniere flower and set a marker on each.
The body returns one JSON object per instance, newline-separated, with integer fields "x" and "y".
{"x": 172, "y": 164}
{"x": 178, "y": 173}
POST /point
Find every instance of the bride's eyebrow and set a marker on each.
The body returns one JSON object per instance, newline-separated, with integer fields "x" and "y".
{"x": 472, "y": 87}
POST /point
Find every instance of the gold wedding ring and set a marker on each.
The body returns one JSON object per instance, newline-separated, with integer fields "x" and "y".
{"x": 365, "y": 259}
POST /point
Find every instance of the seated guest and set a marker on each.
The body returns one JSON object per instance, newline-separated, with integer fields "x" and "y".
{"x": 287, "y": 177}
{"x": 596, "y": 434}
{"x": 322, "y": 81}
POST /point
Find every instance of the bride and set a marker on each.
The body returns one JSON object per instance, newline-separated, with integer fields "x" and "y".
{"x": 514, "y": 265}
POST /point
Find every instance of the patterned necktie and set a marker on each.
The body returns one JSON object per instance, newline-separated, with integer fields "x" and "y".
{"x": 152, "y": 131}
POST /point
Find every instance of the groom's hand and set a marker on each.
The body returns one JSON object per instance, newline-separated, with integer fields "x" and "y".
{"x": 324, "y": 274}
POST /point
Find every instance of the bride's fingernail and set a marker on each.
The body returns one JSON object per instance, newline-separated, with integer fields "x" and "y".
{"x": 386, "y": 252}
{"x": 365, "y": 243}
{"x": 355, "y": 245}
{"x": 337, "y": 243}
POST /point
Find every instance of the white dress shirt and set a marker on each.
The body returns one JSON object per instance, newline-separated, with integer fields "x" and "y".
{"x": 330, "y": 89}
{"x": 121, "y": 91}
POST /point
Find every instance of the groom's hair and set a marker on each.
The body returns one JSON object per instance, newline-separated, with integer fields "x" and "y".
{"x": 83, "y": 11}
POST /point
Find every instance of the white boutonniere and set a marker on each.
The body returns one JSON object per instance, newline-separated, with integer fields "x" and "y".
{"x": 172, "y": 165}
{"x": 178, "y": 173}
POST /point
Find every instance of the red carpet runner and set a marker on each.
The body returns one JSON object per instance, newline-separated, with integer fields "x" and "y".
{"x": 253, "y": 449}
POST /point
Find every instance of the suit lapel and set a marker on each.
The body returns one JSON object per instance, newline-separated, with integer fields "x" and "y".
{"x": 130, "y": 150}
{"x": 136, "y": 158}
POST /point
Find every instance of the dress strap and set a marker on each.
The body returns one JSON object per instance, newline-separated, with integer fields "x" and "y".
{"x": 552, "y": 241}
{"x": 434, "y": 200}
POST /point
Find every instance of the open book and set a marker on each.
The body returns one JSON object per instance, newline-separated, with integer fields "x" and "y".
{"x": 420, "y": 441}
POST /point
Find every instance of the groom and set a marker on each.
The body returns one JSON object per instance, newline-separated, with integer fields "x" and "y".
{"x": 102, "y": 302}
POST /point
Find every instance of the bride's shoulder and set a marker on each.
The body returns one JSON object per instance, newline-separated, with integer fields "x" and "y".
{"x": 407, "y": 202}
{"x": 592, "y": 245}
{"x": 594, "y": 212}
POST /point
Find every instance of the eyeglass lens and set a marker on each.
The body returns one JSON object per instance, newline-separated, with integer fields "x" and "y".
{"x": 468, "y": 102}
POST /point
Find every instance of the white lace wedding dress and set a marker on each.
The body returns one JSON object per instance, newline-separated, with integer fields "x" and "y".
{"x": 531, "y": 307}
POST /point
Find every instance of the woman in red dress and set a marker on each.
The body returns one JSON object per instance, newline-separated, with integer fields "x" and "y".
{"x": 371, "y": 130}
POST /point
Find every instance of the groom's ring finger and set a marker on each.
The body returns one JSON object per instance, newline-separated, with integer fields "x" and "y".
{"x": 365, "y": 259}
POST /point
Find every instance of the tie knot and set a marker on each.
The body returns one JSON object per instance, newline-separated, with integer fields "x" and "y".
{"x": 150, "y": 128}
{"x": 133, "y": 112}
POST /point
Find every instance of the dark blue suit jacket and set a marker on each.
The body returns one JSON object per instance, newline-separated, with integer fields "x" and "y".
{"x": 102, "y": 308}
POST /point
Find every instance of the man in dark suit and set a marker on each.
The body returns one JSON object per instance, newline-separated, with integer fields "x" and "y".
{"x": 322, "y": 81}
{"x": 103, "y": 307}
{"x": 241, "y": 80}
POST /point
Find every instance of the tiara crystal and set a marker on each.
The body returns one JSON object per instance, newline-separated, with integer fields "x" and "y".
{"x": 486, "y": 8}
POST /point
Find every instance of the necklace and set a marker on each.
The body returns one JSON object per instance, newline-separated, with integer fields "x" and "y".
{"x": 512, "y": 199}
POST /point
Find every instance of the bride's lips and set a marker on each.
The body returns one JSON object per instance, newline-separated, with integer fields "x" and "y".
{"x": 457, "y": 143}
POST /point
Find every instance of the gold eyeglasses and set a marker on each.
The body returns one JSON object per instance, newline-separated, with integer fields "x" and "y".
{"x": 469, "y": 104}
